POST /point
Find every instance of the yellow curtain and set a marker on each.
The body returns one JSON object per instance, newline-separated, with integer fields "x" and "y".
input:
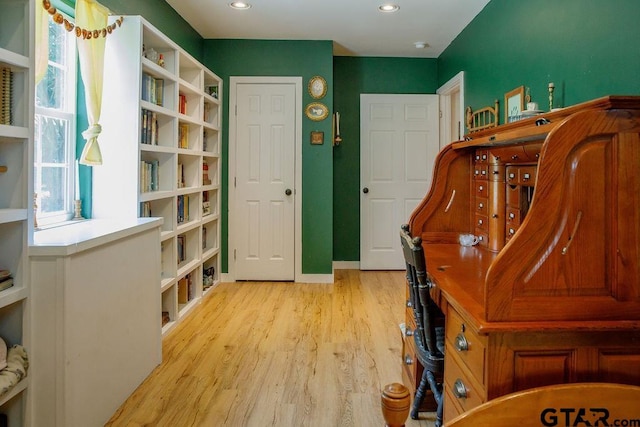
{"x": 42, "y": 43}
{"x": 91, "y": 14}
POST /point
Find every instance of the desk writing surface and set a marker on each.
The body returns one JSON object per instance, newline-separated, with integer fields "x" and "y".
{"x": 459, "y": 272}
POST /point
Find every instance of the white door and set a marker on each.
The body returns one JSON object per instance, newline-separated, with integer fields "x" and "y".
{"x": 264, "y": 181}
{"x": 399, "y": 140}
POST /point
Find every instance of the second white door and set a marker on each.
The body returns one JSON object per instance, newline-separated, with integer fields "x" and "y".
{"x": 399, "y": 140}
{"x": 264, "y": 182}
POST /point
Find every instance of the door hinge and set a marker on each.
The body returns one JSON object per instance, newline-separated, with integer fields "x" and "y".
{"x": 236, "y": 110}
{"x": 235, "y": 184}
{"x": 440, "y": 112}
{"x": 234, "y": 254}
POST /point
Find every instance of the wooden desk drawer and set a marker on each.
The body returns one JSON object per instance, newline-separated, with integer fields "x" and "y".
{"x": 482, "y": 189}
{"x": 480, "y": 171}
{"x": 451, "y": 407}
{"x": 483, "y": 239}
{"x": 469, "y": 347}
{"x": 466, "y": 392}
{"x": 527, "y": 175}
{"x": 481, "y": 206}
{"x": 513, "y": 217}
{"x": 482, "y": 223}
{"x": 482, "y": 155}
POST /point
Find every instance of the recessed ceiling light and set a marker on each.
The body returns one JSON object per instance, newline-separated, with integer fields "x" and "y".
{"x": 240, "y": 5}
{"x": 420, "y": 45}
{"x": 388, "y": 7}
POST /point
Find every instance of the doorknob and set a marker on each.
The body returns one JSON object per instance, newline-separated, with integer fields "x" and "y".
{"x": 365, "y": 190}
{"x": 287, "y": 191}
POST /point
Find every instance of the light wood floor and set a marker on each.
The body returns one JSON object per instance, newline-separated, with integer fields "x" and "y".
{"x": 279, "y": 354}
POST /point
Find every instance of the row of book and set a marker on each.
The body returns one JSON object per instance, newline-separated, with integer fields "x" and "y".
{"x": 182, "y": 103}
{"x": 206, "y": 203}
{"x": 6, "y": 280}
{"x": 183, "y": 135}
{"x": 183, "y": 209}
{"x": 145, "y": 210}
{"x": 149, "y": 176}
{"x": 149, "y": 128}
{"x": 6, "y": 86}
{"x": 186, "y": 289}
{"x": 181, "y": 241}
{"x": 152, "y": 89}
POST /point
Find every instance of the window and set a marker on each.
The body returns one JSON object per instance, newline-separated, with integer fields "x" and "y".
{"x": 55, "y": 130}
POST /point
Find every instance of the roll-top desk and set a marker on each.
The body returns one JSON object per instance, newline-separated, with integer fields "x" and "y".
{"x": 551, "y": 294}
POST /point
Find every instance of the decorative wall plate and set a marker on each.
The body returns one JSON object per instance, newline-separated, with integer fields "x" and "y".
{"x": 317, "y": 87}
{"x": 316, "y": 111}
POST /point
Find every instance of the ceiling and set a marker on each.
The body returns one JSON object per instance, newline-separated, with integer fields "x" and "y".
{"x": 356, "y": 27}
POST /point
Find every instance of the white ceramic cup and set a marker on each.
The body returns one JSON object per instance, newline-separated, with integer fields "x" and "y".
{"x": 468, "y": 240}
{"x": 532, "y": 106}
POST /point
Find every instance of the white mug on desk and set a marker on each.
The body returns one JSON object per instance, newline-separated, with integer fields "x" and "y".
{"x": 468, "y": 240}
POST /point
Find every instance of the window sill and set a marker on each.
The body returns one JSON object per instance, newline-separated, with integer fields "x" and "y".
{"x": 78, "y": 236}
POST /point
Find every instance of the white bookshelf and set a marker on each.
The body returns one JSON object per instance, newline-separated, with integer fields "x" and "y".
{"x": 184, "y": 136}
{"x": 16, "y": 189}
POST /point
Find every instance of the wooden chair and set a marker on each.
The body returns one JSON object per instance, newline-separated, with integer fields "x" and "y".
{"x": 429, "y": 333}
{"x": 575, "y": 404}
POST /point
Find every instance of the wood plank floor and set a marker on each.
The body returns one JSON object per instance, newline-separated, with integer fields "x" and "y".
{"x": 279, "y": 354}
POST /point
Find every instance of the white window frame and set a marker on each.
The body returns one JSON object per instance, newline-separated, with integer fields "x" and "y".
{"x": 67, "y": 113}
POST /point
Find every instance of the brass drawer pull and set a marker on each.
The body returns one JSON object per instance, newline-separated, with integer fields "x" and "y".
{"x": 409, "y": 304}
{"x": 459, "y": 389}
{"x": 461, "y": 342}
{"x": 408, "y": 360}
{"x": 408, "y": 333}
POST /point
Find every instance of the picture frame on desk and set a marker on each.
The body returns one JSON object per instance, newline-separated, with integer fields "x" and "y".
{"x": 513, "y": 104}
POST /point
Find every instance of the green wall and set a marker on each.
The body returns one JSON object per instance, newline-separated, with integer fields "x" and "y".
{"x": 286, "y": 58}
{"x": 588, "y": 48}
{"x": 353, "y": 76}
{"x": 163, "y": 17}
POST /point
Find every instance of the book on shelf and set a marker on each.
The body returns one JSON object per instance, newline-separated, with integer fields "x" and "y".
{"x": 145, "y": 209}
{"x": 149, "y": 175}
{"x": 181, "y": 242}
{"x": 205, "y": 173}
{"x": 182, "y": 103}
{"x": 152, "y": 89}
{"x": 204, "y": 140}
{"x": 206, "y": 204}
{"x": 6, "y": 85}
{"x": 183, "y": 291}
{"x": 204, "y": 238}
{"x": 183, "y": 208}
{"x": 180, "y": 175}
{"x": 149, "y": 127}
{"x": 207, "y": 111}
{"x": 183, "y": 135}
{"x": 191, "y": 287}
{"x": 165, "y": 318}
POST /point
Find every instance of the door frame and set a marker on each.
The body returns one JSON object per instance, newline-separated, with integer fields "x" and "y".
{"x": 454, "y": 87}
{"x": 297, "y": 192}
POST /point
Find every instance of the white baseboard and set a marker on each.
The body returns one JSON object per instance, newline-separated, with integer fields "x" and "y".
{"x": 315, "y": 278}
{"x": 346, "y": 265}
